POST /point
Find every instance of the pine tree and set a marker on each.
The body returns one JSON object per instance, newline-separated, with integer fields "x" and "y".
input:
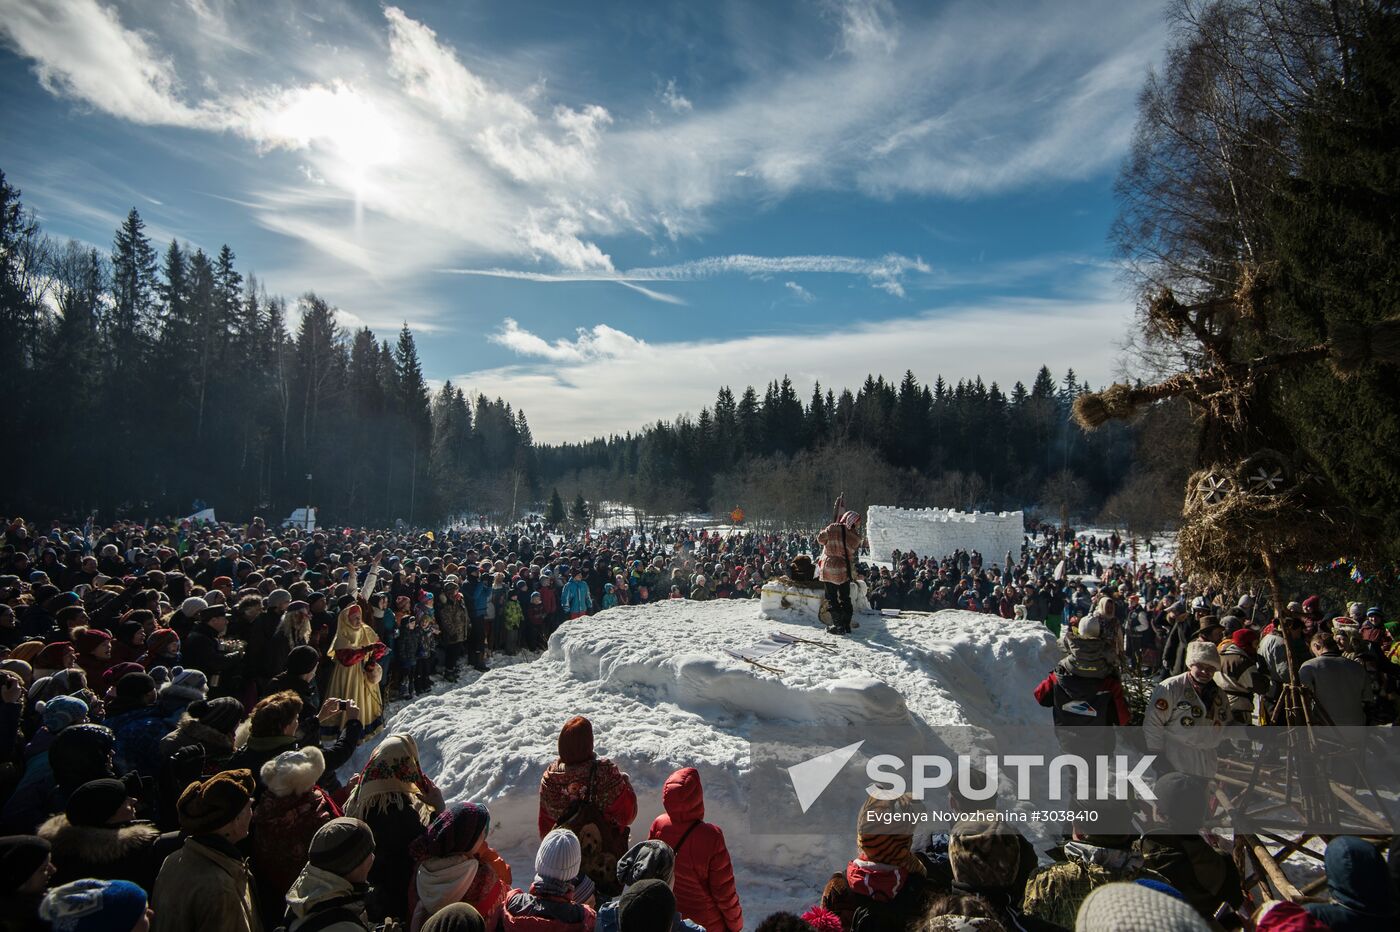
{"x": 578, "y": 512}
{"x": 554, "y": 513}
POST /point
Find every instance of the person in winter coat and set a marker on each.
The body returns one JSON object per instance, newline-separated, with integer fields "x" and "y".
{"x": 1358, "y": 888}
{"x": 576, "y": 600}
{"x": 398, "y": 802}
{"x": 1241, "y": 676}
{"x": 204, "y": 650}
{"x": 330, "y": 891}
{"x": 293, "y": 630}
{"x": 993, "y": 861}
{"x": 162, "y": 649}
{"x": 130, "y": 643}
{"x": 1341, "y": 685}
{"x": 94, "y": 651}
{"x": 206, "y": 885}
{"x": 137, "y": 722}
{"x": 178, "y": 691}
{"x": 536, "y": 620}
{"x": 25, "y": 869}
{"x": 452, "y": 619}
{"x": 1186, "y": 715}
{"x": 546, "y": 906}
{"x": 652, "y": 859}
{"x": 1175, "y": 850}
{"x": 299, "y": 676}
{"x": 290, "y": 811}
{"x": 885, "y": 878}
{"x": 704, "y": 874}
{"x": 274, "y": 725}
{"x": 1055, "y": 893}
{"x": 99, "y": 836}
{"x": 456, "y": 865}
{"x": 579, "y": 775}
{"x": 840, "y": 541}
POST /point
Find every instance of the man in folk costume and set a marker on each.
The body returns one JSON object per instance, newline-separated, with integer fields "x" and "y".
{"x": 356, "y": 651}
{"x": 840, "y": 541}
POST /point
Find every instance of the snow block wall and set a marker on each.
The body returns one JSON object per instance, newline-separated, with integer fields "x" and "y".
{"x": 789, "y": 602}
{"x": 937, "y": 532}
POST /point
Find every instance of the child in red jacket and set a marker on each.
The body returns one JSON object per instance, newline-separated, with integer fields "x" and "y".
{"x": 704, "y": 881}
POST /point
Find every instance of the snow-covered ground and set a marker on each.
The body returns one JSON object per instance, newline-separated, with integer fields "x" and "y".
{"x": 662, "y": 694}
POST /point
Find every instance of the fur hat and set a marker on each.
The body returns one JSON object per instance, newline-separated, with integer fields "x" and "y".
{"x": 576, "y": 741}
{"x": 188, "y": 684}
{"x": 293, "y": 773}
{"x": 341, "y": 845}
{"x": 1202, "y": 652}
{"x": 1130, "y": 907}
{"x": 984, "y": 856}
{"x": 61, "y": 711}
{"x": 208, "y": 805}
{"x": 559, "y": 856}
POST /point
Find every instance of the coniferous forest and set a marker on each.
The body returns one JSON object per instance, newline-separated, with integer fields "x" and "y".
{"x": 147, "y": 379}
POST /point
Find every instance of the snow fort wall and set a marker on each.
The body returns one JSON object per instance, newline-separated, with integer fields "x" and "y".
{"x": 937, "y": 532}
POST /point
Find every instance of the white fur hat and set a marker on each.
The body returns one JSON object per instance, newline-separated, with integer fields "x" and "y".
{"x": 1202, "y": 652}
{"x": 292, "y": 773}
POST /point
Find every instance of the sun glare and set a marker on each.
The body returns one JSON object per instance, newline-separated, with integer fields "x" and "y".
{"x": 347, "y": 124}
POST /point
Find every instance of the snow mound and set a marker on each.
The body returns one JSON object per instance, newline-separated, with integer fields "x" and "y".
{"x": 662, "y": 694}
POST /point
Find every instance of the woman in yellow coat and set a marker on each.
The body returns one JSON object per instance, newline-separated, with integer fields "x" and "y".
{"x": 355, "y": 653}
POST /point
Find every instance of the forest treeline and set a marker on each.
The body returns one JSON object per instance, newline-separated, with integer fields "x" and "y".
{"x": 143, "y": 381}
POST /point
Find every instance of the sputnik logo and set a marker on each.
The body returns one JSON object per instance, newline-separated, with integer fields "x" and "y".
{"x": 811, "y": 777}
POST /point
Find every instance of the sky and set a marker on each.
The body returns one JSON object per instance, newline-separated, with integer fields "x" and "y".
{"x": 602, "y": 212}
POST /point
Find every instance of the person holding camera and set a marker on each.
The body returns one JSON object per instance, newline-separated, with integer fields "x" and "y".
{"x": 274, "y": 727}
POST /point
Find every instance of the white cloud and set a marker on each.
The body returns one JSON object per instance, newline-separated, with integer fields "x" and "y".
{"x": 582, "y": 391}
{"x": 675, "y": 99}
{"x": 81, "y": 50}
{"x": 599, "y": 343}
{"x": 886, "y": 273}
{"x": 800, "y": 293}
{"x": 413, "y": 154}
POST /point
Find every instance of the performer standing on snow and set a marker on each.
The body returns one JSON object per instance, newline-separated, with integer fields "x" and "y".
{"x": 840, "y": 541}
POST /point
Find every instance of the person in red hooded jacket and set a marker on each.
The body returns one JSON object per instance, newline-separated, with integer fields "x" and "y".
{"x": 704, "y": 878}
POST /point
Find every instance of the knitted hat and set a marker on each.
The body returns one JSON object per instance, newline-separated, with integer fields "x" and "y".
{"x": 458, "y": 917}
{"x": 113, "y": 675}
{"x": 1246, "y": 639}
{"x": 209, "y": 805}
{"x": 135, "y": 686}
{"x": 302, "y": 660}
{"x": 293, "y": 773}
{"x": 161, "y": 640}
{"x": 61, "y": 711}
{"x": 278, "y": 598}
{"x": 559, "y": 856}
{"x": 20, "y": 857}
{"x": 95, "y": 802}
{"x": 649, "y": 906}
{"x": 984, "y": 855}
{"x": 341, "y": 845}
{"x": 188, "y": 684}
{"x": 576, "y": 741}
{"x": 94, "y": 906}
{"x": 53, "y": 657}
{"x": 1202, "y": 652}
{"x": 88, "y": 640}
{"x": 222, "y": 714}
{"x": 647, "y": 860}
{"x": 1130, "y": 907}
{"x": 193, "y": 606}
{"x": 458, "y": 829}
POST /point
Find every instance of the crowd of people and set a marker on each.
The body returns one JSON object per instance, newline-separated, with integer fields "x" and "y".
{"x": 178, "y": 704}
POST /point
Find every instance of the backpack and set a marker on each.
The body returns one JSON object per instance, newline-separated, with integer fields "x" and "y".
{"x": 602, "y": 842}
